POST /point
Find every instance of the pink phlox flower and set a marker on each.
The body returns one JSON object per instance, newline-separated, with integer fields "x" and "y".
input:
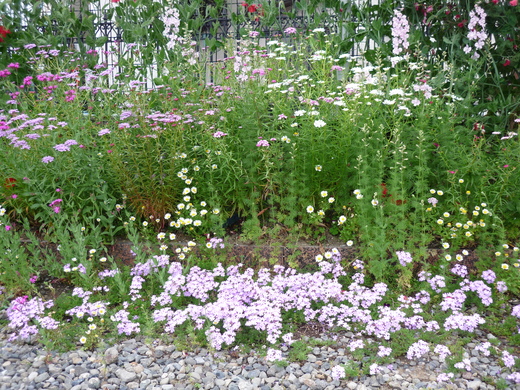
{"x": 219, "y": 134}
{"x": 417, "y": 350}
{"x": 442, "y": 351}
{"x": 501, "y": 286}
{"x": 404, "y": 257}
{"x": 465, "y": 364}
{"x": 515, "y": 376}
{"x": 337, "y": 373}
{"x": 55, "y": 202}
{"x": 262, "y": 143}
{"x": 445, "y": 377}
{"x": 489, "y": 276}
{"x": 433, "y": 201}
{"x": 400, "y": 33}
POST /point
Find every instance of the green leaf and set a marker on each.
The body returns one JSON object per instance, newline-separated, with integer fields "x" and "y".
{"x": 101, "y": 41}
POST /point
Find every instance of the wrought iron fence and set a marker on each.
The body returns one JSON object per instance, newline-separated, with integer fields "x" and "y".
{"x": 225, "y": 25}
{"x": 220, "y": 28}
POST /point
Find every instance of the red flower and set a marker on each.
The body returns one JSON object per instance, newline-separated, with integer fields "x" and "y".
{"x": 244, "y": 4}
{"x": 9, "y": 182}
{"x": 507, "y": 63}
{"x": 3, "y": 33}
{"x": 384, "y": 193}
{"x": 494, "y": 1}
{"x": 513, "y": 3}
{"x": 252, "y": 8}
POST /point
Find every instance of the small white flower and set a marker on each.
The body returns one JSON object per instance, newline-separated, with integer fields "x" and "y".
{"x": 319, "y": 123}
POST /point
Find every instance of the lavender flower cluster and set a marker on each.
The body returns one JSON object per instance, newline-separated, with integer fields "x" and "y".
{"x": 225, "y": 300}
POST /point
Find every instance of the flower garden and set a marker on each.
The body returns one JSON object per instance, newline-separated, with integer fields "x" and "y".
{"x": 407, "y": 153}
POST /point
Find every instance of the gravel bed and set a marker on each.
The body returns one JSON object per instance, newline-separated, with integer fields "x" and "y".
{"x": 157, "y": 365}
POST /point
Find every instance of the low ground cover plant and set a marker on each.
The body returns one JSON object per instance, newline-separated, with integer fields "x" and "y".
{"x": 193, "y": 295}
{"x": 395, "y": 153}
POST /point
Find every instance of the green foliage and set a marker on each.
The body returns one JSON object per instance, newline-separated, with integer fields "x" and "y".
{"x": 292, "y": 140}
{"x": 299, "y": 351}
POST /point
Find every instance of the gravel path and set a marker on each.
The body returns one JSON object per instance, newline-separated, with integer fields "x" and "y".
{"x": 155, "y": 365}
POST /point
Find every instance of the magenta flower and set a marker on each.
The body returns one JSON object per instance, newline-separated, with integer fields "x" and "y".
{"x": 7, "y": 227}
{"x": 262, "y": 143}
{"x": 55, "y": 202}
{"x": 219, "y": 134}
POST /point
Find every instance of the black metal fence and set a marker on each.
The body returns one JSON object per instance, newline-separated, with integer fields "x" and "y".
{"x": 222, "y": 27}
{"x": 229, "y": 23}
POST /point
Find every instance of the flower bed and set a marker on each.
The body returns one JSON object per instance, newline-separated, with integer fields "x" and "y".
{"x": 292, "y": 140}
